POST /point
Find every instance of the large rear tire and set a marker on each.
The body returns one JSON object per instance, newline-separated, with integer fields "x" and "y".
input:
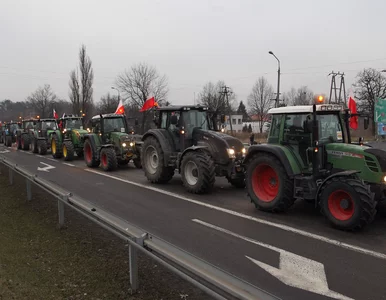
{"x": 90, "y": 155}
{"x": 108, "y": 159}
{"x": 152, "y": 159}
{"x": 347, "y": 203}
{"x": 268, "y": 184}
{"x": 56, "y": 150}
{"x": 198, "y": 172}
{"x": 68, "y": 151}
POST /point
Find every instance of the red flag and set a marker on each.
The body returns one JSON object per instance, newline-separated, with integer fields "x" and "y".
{"x": 149, "y": 103}
{"x": 353, "y": 109}
{"x": 55, "y": 114}
{"x": 120, "y": 109}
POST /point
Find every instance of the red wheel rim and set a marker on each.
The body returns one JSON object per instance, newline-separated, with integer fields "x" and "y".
{"x": 104, "y": 159}
{"x": 341, "y": 205}
{"x": 265, "y": 183}
{"x": 88, "y": 153}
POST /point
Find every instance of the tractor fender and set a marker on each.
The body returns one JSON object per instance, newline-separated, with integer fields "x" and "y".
{"x": 275, "y": 151}
{"x": 190, "y": 149}
{"x": 166, "y": 142}
{"x": 108, "y": 146}
{"x": 347, "y": 173}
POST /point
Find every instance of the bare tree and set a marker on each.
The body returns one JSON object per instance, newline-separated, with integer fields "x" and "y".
{"x": 370, "y": 85}
{"x": 42, "y": 99}
{"x": 87, "y": 78}
{"x": 260, "y": 100}
{"x": 304, "y": 96}
{"x": 74, "y": 93}
{"x": 290, "y": 96}
{"x": 212, "y": 97}
{"x": 141, "y": 82}
{"x": 108, "y": 104}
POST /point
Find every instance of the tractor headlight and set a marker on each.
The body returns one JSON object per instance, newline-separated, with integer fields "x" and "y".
{"x": 243, "y": 151}
{"x": 231, "y": 153}
{"x": 384, "y": 179}
{"x": 131, "y": 144}
{"x": 123, "y": 144}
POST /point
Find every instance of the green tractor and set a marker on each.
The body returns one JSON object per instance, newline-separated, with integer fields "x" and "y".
{"x": 309, "y": 155}
{"x": 187, "y": 139}
{"x": 9, "y": 133}
{"x": 110, "y": 143}
{"x": 40, "y": 137}
{"x": 23, "y": 134}
{"x": 68, "y": 138}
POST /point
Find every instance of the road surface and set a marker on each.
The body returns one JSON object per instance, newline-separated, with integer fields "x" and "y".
{"x": 295, "y": 255}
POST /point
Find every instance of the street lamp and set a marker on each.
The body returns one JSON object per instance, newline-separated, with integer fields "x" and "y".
{"x": 278, "y": 79}
{"x": 119, "y": 94}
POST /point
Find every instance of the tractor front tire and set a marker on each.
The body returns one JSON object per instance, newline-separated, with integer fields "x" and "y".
{"x": 56, "y": 150}
{"x": 68, "y": 151}
{"x": 268, "y": 184}
{"x": 137, "y": 163}
{"x": 238, "y": 182}
{"x": 25, "y": 140}
{"x": 90, "y": 155}
{"x": 108, "y": 159}
{"x": 198, "y": 172}
{"x": 34, "y": 146}
{"x": 152, "y": 160}
{"x": 42, "y": 147}
{"x": 8, "y": 141}
{"x": 347, "y": 203}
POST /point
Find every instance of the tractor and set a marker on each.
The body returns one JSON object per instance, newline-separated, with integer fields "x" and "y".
{"x": 68, "y": 138}
{"x": 187, "y": 139}
{"x": 2, "y": 129}
{"x": 309, "y": 156}
{"x": 110, "y": 143}
{"x": 40, "y": 137}
{"x": 9, "y": 133}
{"x": 24, "y": 133}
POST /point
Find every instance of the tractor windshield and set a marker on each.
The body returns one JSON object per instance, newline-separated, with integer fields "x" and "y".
{"x": 114, "y": 125}
{"x": 49, "y": 125}
{"x": 330, "y": 128}
{"x": 74, "y": 124}
{"x": 195, "y": 118}
{"x": 29, "y": 125}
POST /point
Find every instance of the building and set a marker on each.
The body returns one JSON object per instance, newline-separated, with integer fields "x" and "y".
{"x": 237, "y": 123}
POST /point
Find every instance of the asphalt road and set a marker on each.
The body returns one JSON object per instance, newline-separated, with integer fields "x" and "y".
{"x": 296, "y": 255}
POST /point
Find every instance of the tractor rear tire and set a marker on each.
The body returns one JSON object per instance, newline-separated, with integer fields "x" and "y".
{"x": 268, "y": 184}
{"x": 68, "y": 150}
{"x": 25, "y": 140}
{"x": 42, "y": 147}
{"x": 34, "y": 146}
{"x": 347, "y": 203}
{"x": 56, "y": 150}
{"x": 137, "y": 163}
{"x": 152, "y": 160}
{"x": 108, "y": 159}
{"x": 90, "y": 155}
{"x": 8, "y": 141}
{"x": 198, "y": 172}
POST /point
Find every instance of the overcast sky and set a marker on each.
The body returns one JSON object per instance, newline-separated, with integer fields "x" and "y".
{"x": 192, "y": 42}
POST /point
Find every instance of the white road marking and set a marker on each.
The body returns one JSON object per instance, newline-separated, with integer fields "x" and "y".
{"x": 4, "y": 151}
{"x": 67, "y": 164}
{"x": 257, "y": 220}
{"x": 46, "y": 168}
{"x": 294, "y": 270}
{"x": 40, "y": 156}
{"x": 28, "y": 152}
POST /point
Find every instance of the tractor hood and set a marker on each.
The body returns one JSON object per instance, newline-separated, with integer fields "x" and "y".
{"x": 219, "y": 139}
{"x": 80, "y": 132}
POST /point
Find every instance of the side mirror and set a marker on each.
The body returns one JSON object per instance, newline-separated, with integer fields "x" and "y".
{"x": 366, "y": 123}
{"x": 307, "y": 124}
{"x": 222, "y": 118}
{"x": 173, "y": 120}
{"x": 136, "y": 122}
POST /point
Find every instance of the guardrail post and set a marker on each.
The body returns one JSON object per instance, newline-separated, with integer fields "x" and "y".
{"x": 133, "y": 261}
{"x": 29, "y": 189}
{"x": 10, "y": 176}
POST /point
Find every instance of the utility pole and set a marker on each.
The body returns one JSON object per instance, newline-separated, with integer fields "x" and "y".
{"x": 338, "y": 96}
{"x": 225, "y": 92}
{"x": 278, "y": 79}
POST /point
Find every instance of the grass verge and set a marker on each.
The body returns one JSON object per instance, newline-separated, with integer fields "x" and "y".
{"x": 81, "y": 261}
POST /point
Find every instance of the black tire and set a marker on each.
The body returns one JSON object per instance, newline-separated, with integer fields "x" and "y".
{"x": 68, "y": 151}
{"x": 90, "y": 155}
{"x": 204, "y": 167}
{"x": 8, "y": 141}
{"x": 79, "y": 153}
{"x": 42, "y": 147}
{"x": 25, "y": 140}
{"x": 269, "y": 197}
{"x": 137, "y": 163}
{"x": 123, "y": 162}
{"x": 108, "y": 159}
{"x": 160, "y": 173}
{"x": 238, "y": 182}
{"x": 34, "y": 146}
{"x": 360, "y": 204}
{"x": 18, "y": 142}
{"x": 56, "y": 149}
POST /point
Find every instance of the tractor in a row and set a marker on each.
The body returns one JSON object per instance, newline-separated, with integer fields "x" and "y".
{"x": 9, "y": 133}
{"x": 309, "y": 155}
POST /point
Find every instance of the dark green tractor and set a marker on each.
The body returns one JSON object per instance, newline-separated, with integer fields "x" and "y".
{"x": 40, "y": 137}
{"x": 110, "y": 143}
{"x": 310, "y": 156}
{"x": 9, "y": 133}
{"x": 188, "y": 139}
{"x": 23, "y": 134}
{"x": 68, "y": 138}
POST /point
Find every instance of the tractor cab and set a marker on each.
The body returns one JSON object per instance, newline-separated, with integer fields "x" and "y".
{"x": 109, "y": 125}
{"x": 69, "y": 122}
{"x": 45, "y": 125}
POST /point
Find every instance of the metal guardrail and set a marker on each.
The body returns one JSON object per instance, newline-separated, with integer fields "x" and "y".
{"x": 212, "y": 280}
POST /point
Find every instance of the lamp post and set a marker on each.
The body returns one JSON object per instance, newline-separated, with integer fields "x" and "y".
{"x": 119, "y": 94}
{"x": 278, "y": 79}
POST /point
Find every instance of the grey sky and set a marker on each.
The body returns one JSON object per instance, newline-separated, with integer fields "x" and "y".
{"x": 192, "y": 42}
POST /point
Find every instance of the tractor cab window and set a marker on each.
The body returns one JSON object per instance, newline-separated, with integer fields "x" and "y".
{"x": 74, "y": 124}
{"x": 49, "y": 125}
{"x": 114, "y": 125}
{"x": 193, "y": 119}
{"x": 330, "y": 128}
{"x": 29, "y": 125}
